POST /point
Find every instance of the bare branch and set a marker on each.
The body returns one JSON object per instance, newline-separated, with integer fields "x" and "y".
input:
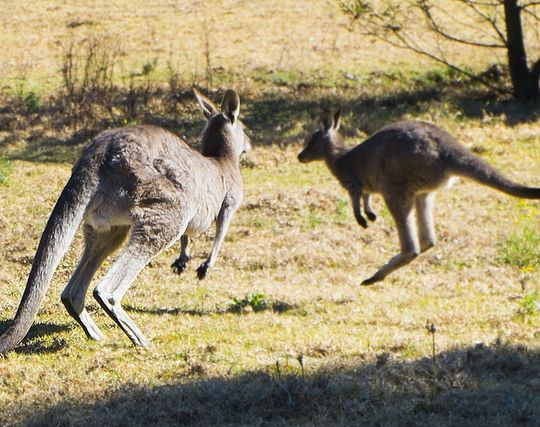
{"x": 408, "y": 44}
{"x": 494, "y": 3}
{"x": 492, "y": 22}
{"x": 486, "y": 3}
{"x": 531, "y": 13}
{"x": 435, "y": 26}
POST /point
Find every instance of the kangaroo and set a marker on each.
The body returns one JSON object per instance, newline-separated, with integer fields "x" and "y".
{"x": 148, "y": 185}
{"x": 406, "y": 162}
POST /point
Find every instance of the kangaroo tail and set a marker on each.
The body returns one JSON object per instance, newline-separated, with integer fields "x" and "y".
{"x": 55, "y": 241}
{"x": 464, "y": 163}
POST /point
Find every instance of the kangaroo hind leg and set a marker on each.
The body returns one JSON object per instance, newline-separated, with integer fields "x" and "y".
{"x": 401, "y": 205}
{"x": 424, "y": 219}
{"x": 146, "y": 241}
{"x": 98, "y": 246}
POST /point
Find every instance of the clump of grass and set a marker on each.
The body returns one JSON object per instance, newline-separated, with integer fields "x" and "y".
{"x": 341, "y": 208}
{"x": 31, "y": 101}
{"x": 6, "y": 169}
{"x": 530, "y": 304}
{"x": 313, "y": 219}
{"x": 253, "y": 302}
{"x": 521, "y": 248}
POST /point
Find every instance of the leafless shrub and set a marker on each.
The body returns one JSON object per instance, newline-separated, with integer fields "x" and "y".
{"x": 208, "y": 57}
{"x": 88, "y": 75}
{"x": 140, "y": 90}
{"x": 174, "y": 88}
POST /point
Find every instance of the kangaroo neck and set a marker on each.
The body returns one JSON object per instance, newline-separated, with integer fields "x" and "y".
{"x": 332, "y": 155}
{"x": 228, "y": 165}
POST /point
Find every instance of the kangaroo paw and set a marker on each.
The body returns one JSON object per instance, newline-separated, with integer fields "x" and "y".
{"x": 179, "y": 265}
{"x": 202, "y": 271}
{"x": 371, "y": 216}
{"x": 362, "y": 221}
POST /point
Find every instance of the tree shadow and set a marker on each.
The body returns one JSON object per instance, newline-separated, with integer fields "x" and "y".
{"x": 38, "y": 340}
{"x": 275, "y": 120}
{"x": 477, "y": 386}
{"x": 272, "y": 117}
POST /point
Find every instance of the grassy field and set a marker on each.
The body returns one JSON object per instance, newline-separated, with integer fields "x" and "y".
{"x": 280, "y": 333}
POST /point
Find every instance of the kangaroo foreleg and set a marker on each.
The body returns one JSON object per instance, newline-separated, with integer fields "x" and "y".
{"x": 180, "y": 264}
{"x": 222, "y": 225}
{"x": 401, "y": 207}
{"x": 366, "y": 199}
{"x": 357, "y": 208}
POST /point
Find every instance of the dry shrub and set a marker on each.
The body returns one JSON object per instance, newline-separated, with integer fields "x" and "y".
{"x": 88, "y": 76}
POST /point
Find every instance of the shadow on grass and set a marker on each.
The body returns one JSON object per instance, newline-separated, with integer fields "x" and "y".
{"x": 477, "y": 386}
{"x": 159, "y": 311}
{"x": 277, "y": 120}
{"x": 273, "y": 117}
{"x": 39, "y": 340}
{"x": 275, "y": 306}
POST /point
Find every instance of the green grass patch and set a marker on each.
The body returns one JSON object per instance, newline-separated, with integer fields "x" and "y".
{"x": 6, "y": 169}
{"x": 252, "y": 302}
{"x": 530, "y": 304}
{"x": 313, "y": 219}
{"x": 342, "y": 209}
{"x": 521, "y": 248}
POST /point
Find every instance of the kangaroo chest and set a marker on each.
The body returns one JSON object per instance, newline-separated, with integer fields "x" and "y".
{"x": 203, "y": 214}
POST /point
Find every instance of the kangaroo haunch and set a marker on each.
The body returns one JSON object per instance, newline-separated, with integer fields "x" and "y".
{"x": 148, "y": 185}
{"x": 406, "y": 162}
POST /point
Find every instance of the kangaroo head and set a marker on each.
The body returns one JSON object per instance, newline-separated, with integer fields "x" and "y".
{"x": 316, "y": 146}
{"x": 224, "y": 132}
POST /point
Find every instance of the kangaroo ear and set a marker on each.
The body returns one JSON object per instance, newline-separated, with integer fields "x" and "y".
{"x": 230, "y": 106}
{"x": 337, "y": 119}
{"x": 326, "y": 121}
{"x": 207, "y": 107}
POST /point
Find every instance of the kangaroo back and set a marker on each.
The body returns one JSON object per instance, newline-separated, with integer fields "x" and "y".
{"x": 462, "y": 162}
{"x": 55, "y": 241}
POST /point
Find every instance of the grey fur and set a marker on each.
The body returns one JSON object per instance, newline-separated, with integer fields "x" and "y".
{"x": 406, "y": 162}
{"x": 148, "y": 185}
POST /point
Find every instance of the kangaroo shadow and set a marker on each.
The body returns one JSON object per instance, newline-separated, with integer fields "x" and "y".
{"x": 38, "y": 340}
{"x": 474, "y": 386}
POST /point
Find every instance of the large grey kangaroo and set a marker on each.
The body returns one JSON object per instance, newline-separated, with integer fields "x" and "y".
{"x": 406, "y": 162}
{"x": 145, "y": 183}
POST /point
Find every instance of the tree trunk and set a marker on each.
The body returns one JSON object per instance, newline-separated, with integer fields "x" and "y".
{"x": 524, "y": 82}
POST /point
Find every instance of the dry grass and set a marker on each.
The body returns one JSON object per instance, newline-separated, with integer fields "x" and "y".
{"x": 325, "y": 350}
{"x": 301, "y": 35}
{"x": 293, "y": 244}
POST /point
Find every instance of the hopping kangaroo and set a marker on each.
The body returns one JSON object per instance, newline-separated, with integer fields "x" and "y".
{"x": 146, "y": 184}
{"x": 406, "y": 162}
